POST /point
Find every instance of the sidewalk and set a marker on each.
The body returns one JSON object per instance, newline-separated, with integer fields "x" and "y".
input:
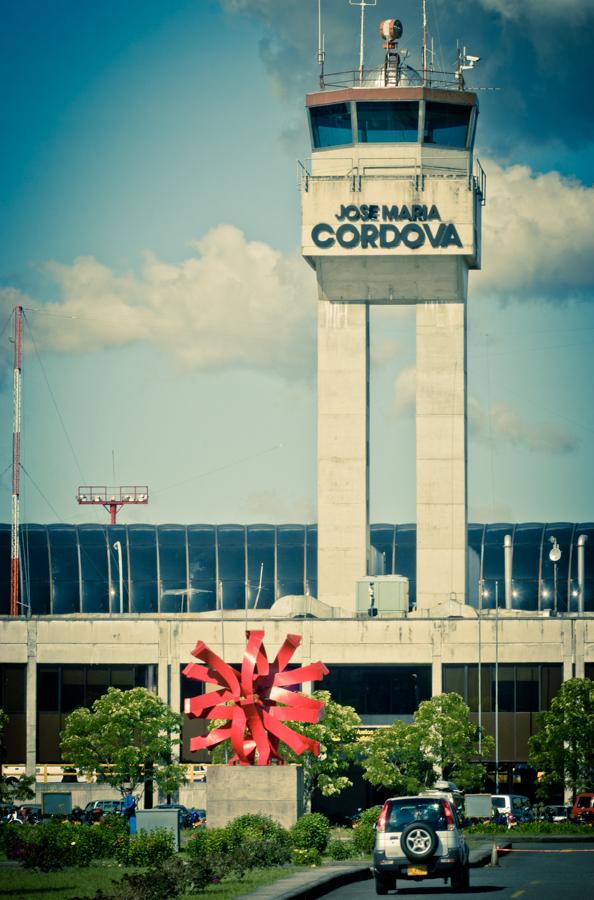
{"x": 317, "y": 882}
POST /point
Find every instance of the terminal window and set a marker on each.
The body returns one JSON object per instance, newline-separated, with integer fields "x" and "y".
{"x": 379, "y": 690}
{"x": 387, "y": 122}
{"x": 331, "y": 125}
{"x": 446, "y": 124}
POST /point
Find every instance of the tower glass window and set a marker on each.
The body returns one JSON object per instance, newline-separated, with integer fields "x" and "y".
{"x": 331, "y": 125}
{"x": 446, "y": 124}
{"x": 387, "y": 122}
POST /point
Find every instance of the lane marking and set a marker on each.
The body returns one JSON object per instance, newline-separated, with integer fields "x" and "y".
{"x": 518, "y": 893}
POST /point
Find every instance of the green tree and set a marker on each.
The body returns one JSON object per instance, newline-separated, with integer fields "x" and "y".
{"x": 128, "y": 737}
{"x": 392, "y": 759}
{"x": 338, "y": 737}
{"x": 563, "y": 747}
{"x": 13, "y": 788}
{"x": 340, "y": 746}
{"x": 449, "y": 740}
{"x": 442, "y": 741}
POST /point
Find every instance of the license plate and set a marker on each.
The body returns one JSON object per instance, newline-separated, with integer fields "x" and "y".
{"x": 416, "y": 870}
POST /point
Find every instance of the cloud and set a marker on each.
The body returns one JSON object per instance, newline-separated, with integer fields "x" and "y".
{"x": 405, "y": 388}
{"x": 507, "y": 426}
{"x": 512, "y": 9}
{"x": 538, "y": 236}
{"x": 534, "y": 52}
{"x": 233, "y": 303}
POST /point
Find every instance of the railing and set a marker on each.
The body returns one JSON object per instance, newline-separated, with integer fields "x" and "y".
{"x": 372, "y": 169}
{"x": 380, "y": 77}
{"x": 54, "y": 773}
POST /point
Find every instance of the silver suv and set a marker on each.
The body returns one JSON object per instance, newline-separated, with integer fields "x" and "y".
{"x": 417, "y": 838}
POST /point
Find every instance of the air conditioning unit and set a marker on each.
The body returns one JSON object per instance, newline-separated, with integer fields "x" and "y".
{"x": 389, "y": 593}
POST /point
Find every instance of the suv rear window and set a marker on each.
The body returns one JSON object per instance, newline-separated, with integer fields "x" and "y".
{"x": 403, "y": 812}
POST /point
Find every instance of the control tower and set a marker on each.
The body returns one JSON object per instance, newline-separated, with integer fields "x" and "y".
{"x": 391, "y": 214}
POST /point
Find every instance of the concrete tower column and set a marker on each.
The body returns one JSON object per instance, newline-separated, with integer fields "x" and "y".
{"x": 441, "y": 451}
{"x": 343, "y": 449}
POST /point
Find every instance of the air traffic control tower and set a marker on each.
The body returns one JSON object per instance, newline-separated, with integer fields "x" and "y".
{"x": 391, "y": 214}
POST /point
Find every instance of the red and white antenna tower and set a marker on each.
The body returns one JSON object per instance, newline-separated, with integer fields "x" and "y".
{"x": 16, "y": 462}
{"x": 112, "y": 498}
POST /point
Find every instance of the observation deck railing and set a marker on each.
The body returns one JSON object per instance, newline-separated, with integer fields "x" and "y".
{"x": 387, "y": 77}
{"x": 363, "y": 171}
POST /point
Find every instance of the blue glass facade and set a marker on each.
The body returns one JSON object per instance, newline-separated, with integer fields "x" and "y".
{"x": 198, "y": 568}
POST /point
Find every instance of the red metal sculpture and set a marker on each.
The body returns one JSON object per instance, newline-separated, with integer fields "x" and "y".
{"x": 255, "y": 701}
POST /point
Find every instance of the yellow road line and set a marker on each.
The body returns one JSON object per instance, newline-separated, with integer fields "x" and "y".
{"x": 518, "y": 893}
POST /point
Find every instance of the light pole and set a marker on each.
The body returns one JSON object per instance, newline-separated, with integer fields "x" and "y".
{"x": 496, "y": 687}
{"x": 118, "y": 548}
{"x": 554, "y": 556}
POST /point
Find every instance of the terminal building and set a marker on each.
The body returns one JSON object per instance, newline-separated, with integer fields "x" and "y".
{"x": 391, "y": 203}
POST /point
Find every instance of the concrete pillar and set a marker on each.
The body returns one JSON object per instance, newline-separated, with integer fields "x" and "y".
{"x": 441, "y": 452}
{"x": 31, "y": 700}
{"x": 343, "y": 450}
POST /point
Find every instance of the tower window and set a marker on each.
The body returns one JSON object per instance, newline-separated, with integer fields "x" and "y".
{"x": 446, "y": 124}
{"x": 387, "y": 122}
{"x": 331, "y": 125}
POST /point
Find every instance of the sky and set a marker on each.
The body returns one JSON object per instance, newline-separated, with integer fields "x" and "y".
{"x": 149, "y": 225}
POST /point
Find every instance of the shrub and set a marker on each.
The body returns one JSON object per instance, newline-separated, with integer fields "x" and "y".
{"x": 303, "y": 856}
{"x": 50, "y": 847}
{"x": 341, "y": 850}
{"x": 148, "y": 848}
{"x": 364, "y": 830}
{"x": 311, "y": 831}
{"x": 254, "y": 827}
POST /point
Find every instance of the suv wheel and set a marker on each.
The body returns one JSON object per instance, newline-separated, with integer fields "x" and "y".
{"x": 418, "y": 841}
{"x": 461, "y": 878}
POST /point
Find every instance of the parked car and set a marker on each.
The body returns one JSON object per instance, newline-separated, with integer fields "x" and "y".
{"x": 95, "y": 809}
{"x": 417, "y": 838}
{"x": 556, "y": 813}
{"x": 583, "y": 809}
{"x": 515, "y": 805}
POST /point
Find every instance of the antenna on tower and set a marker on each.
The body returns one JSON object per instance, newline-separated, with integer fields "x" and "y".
{"x": 424, "y": 42}
{"x": 464, "y": 62}
{"x": 321, "y": 45}
{"x": 363, "y": 4}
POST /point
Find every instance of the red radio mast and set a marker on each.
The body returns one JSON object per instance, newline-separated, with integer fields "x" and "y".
{"x": 16, "y": 461}
{"x": 112, "y": 498}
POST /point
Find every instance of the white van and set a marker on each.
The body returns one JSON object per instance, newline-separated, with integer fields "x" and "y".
{"x": 516, "y": 804}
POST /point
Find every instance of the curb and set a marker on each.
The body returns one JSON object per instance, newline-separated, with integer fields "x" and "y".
{"x": 306, "y": 886}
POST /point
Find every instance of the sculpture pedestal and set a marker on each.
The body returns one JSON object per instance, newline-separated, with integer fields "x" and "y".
{"x": 275, "y": 791}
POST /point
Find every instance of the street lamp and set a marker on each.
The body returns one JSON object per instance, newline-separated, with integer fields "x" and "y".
{"x": 554, "y": 556}
{"x": 118, "y": 548}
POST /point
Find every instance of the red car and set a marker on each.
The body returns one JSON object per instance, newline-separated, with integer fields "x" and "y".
{"x": 583, "y": 809}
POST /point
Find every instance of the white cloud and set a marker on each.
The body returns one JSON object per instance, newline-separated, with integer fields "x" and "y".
{"x": 233, "y": 303}
{"x": 405, "y": 388}
{"x": 507, "y": 426}
{"x": 538, "y": 236}
{"x": 512, "y": 9}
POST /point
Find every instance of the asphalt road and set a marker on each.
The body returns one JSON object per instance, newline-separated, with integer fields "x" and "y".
{"x": 566, "y": 873}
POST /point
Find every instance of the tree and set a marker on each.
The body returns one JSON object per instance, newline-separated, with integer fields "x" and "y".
{"x": 563, "y": 747}
{"x": 338, "y": 737}
{"x": 392, "y": 759}
{"x": 442, "y": 741}
{"x": 128, "y": 737}
{"x": 13, "y": 788}
{"x": 449, "y": 740}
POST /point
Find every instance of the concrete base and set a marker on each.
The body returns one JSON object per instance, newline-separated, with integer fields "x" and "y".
{"x": 275, "y": 791}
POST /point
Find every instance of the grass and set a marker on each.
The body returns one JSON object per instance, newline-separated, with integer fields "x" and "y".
{"x": 29, "y": 885}
{"x": 21, "y": 883}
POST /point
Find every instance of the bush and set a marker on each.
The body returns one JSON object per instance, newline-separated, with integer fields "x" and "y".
{"x": 341, "y": 850}
{"x": 311, "y": 831}
{"x": 147, "y": 848}
{"x": 50, "y": 847}
{"x": 364, "y": 830}
{"x": 306, "y": 857}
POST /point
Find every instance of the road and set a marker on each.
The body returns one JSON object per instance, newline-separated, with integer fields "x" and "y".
{"x": 567, "y": 873}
